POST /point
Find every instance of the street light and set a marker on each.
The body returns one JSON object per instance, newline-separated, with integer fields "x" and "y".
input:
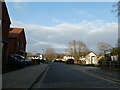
{"x": 42, "y": 53}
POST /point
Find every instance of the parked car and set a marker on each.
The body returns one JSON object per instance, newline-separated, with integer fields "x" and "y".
{"x": 35, "y": 61}
{"x": 28, "y": 61}
{"x": 58, "y": 61}
{"x": 42, "y": 60}
{"x": 12, "y": 61}
{"x": 70, "y": 61}
{"x": 16, "y": 60}
{"x": 54, "y": 60}
{"x": 61, "y": 61}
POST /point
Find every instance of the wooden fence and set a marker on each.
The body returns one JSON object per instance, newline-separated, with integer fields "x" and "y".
{"x": 111, "y": 64}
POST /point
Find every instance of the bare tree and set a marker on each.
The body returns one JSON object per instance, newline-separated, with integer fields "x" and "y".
{"x": 116, "y": 8}
{"x": 29, "y": 54}
{"x": 75, "y": 48}
{"x": 59, "y": 56}
{"x": 71, "y": 49}
{"x": 50, "y": 53}
{"x": 103, "y": 47}
{"x": 82, "y": 47}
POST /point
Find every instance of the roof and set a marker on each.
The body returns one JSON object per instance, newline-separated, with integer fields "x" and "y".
{"x": 33, "y": 55}
{"x": 99, "y": 56}
{"x": 86, "y": 53}
{"x": 4, "y": 15}
{"x": 15, "y": 32}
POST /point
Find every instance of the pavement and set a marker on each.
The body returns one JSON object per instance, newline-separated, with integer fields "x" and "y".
{"x": 23, "y": 78}
{"x": 103, "y": 73}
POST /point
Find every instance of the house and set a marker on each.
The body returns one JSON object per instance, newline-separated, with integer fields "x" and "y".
{"x": 4, "y": 26}
{"x": 36, "y": 56}
{"x": 89, "y": 58}
{"x": 114, "y": 58}
{"x": 17, "y": 41}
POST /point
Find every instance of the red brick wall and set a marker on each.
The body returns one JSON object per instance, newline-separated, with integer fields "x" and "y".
{"x": 5, "y": 32}
{"x": 13, "y": 44}
{"x": 5, "y": 22}
{"x": 23, "y": 41}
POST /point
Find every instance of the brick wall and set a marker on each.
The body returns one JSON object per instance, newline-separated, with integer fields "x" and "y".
{"x": 12, "y": 46}
{"x": 17, "y": 44}
{"x": 5, "y": 32}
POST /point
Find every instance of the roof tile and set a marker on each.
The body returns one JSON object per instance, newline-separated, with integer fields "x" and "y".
{"x": 15, "y": 32}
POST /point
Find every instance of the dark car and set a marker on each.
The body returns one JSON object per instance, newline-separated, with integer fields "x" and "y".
{"x": 28, "y": 61}
{"x": 58, "y": 61}
{"x": 16, "y": 60}
{"x": 12, "y": 61}
{"x": 70, "y": 61}
{"x": 61, "y": 61}
{"x": 54, "y": 60}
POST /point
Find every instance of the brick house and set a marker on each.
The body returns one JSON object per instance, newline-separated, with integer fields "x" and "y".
{"x": 5, "y": 25}
{"x": 17, "y": 41}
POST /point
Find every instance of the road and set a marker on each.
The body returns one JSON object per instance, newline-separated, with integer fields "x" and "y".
{"x": 60, "y": 75}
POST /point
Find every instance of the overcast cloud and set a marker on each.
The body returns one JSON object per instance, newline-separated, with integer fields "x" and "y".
{"x": 40, "y": 37}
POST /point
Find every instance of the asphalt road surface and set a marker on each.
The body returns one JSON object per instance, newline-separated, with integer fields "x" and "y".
{"x": 60, "y": 75}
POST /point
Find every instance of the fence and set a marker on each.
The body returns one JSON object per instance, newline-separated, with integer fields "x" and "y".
{"x": 111, "y": 64}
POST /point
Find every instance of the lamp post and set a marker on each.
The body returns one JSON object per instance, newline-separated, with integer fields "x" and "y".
{"x": 42, "y": 53}
{"x": 105, "y": 52}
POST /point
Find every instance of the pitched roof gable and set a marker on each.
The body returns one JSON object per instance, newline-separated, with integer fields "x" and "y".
{"x": 86, "y": 53}
{"x": 15, "y": 32}
{"x": 5, "y": 14}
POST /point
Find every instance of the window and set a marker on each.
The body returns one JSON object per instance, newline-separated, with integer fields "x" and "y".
{"x": 0, "y": 24}
{"x": 22, "y": 45}
{"x": 0, "y": 30}
{"x": 19, "y": 44}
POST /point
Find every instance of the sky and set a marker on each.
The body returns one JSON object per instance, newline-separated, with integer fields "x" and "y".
{"x": 54, "y": 24}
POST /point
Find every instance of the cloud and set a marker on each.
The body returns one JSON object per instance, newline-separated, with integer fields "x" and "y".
{"x": 82, "y": 13}
{"x": 14, "y": 0}
{"x": 18, "y": 6}
{"x": 57, "y": 20}
{"x": 57, "y": 36}
{"x": 108, "y": 27}
{"x": 17, "y": 24}
{"x": 42, "y": 43}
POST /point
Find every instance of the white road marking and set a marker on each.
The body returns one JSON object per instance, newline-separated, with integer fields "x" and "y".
{"x": 38, "y": 85}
